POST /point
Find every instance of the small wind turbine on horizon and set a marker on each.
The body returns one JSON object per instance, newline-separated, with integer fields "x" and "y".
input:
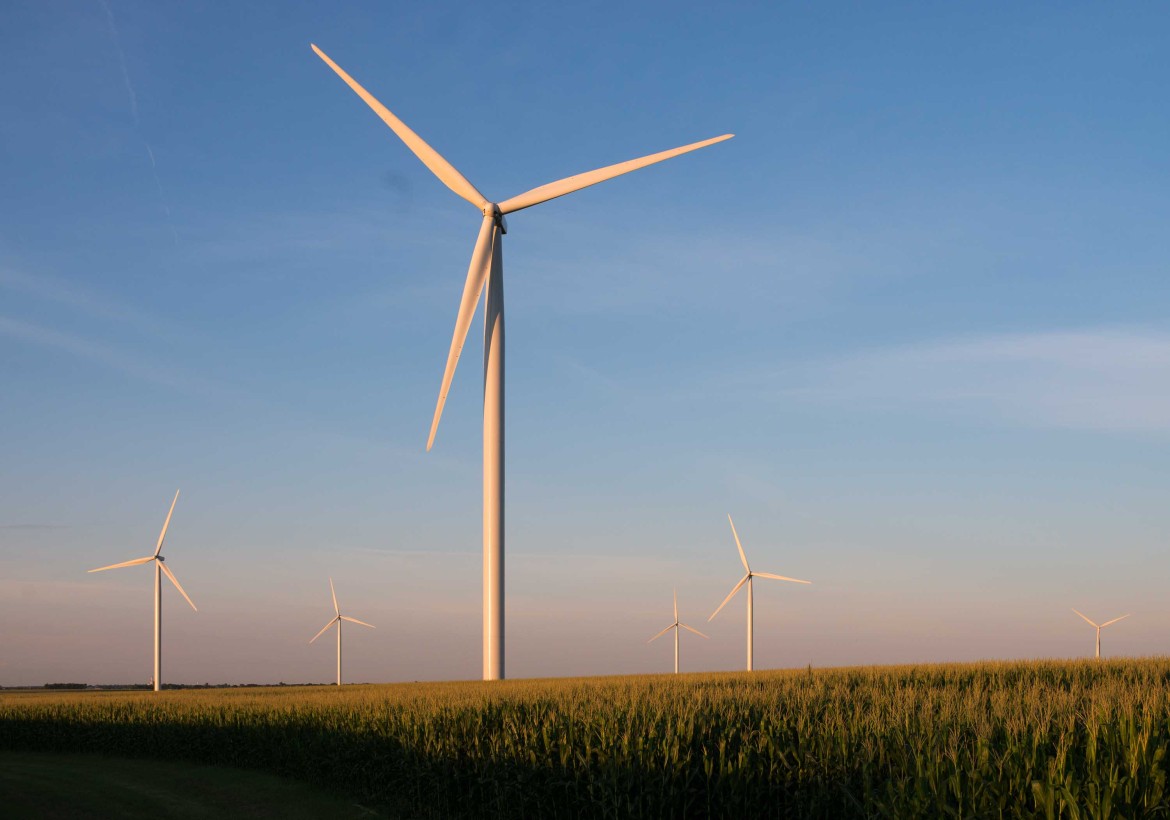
{"x": 1099, "y": 627}
{"x": 747, "y": 579}
{"x": 160, "y": 569}
{"x": 487, "y": 272}
{"x": 337, "y": 620}
{"x": 675, "y": 626}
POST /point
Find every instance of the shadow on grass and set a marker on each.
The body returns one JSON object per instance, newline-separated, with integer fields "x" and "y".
{"x": 377, "y": 771}
{"x": 79, "y": 787}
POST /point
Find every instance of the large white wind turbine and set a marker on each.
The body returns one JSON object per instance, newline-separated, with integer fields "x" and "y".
{"x": 160, "y": 569}
{"x": 747, "y": 579}
{"x": 1099, "y": 627}
{"x": 337, "y": 620}
{"x": 487, "y": 271}
{"x": 675, "y": 626}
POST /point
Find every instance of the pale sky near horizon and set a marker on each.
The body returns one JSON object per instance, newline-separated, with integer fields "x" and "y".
{"x": 910, "y": 328}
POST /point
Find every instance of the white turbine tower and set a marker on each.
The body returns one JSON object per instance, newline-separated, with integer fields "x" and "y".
{"x": 487, "y": 269}
{"x": 337, "y": 620}
{"x": 1099, "y": 627}
{"x": 675, "y": 626}
{"x": 747, "y": 579}
{"x": 160, "y": 569}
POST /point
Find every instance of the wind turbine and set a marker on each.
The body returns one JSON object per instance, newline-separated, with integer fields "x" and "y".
{"x": 1099, "y": 627}
{"x": 337, "y": 620}
{"x": 747, "y": 579}
{"x": 675, "y": 626}
{"x": 487, "y": 270}
{"x": 160, "y": 568}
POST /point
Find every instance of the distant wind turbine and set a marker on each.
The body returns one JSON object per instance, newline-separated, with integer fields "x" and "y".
{"x": 337, "y": 620}
{"x": 1099, "y": 627}
{"x": 747, "y": 579}
{"x": 160, "y": 568}
{"x": 487, "y": 271}
{"x": 675, "y": 626}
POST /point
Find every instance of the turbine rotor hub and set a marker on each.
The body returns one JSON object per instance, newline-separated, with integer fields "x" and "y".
{"x": 493, "y": 210}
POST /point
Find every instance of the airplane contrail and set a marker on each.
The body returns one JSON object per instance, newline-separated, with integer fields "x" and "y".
{"x": 137, "y": 122}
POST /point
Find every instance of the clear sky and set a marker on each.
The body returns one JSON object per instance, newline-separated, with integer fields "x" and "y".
{"x": 910, "y": 327}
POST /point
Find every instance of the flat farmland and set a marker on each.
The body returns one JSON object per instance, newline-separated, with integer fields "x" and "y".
{"x": 1012, "y": 739}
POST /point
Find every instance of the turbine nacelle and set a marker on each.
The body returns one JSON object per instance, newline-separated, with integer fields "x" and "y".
{"x": 492, "y": 210}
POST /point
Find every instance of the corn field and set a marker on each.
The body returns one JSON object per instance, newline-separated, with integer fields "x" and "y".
{"x": 1046, "y": 739}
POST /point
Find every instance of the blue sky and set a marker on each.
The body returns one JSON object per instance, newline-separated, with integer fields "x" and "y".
{"x": 909, "y": 327}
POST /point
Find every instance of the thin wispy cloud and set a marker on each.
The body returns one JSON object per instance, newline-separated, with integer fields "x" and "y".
{"x": 11, "y": 588}
{"x": 405, "y": 553}
{"x": 241, "y": 235}
{"x": 113, "y": 358}
{"x": 33, "y": 526}
{"x": 71, "y": 295}
{"x": 626, "y": 263}
{"x": 1096, "y": 379}
{"x": 557, "y": 557}
{"x": 662, "y": 271}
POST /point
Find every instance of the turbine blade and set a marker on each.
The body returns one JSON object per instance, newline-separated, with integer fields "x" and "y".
{"x": 477, "y": 274}
{"x": 575, "y": 183}
{"x": 431, "y": 158}
{"x": 1087, "y": 619}
{"x": 167, "y": 572}
{"x": 333, "y": 592}
{"x": 356, "y": 621}
{"x": 730, "y": 595}
{"x": 779, "y": 577}
{"x": 145, "y": 560}
{"x": 322, "y": 632}
{"x": 167, "y": 523}
{"x": 692, "y": 629}
{"x": 1115, "y": 620}
{"x": 660, "y": 634}
{"x": 738, "y": 546}
{"x": 676, "y": 606}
